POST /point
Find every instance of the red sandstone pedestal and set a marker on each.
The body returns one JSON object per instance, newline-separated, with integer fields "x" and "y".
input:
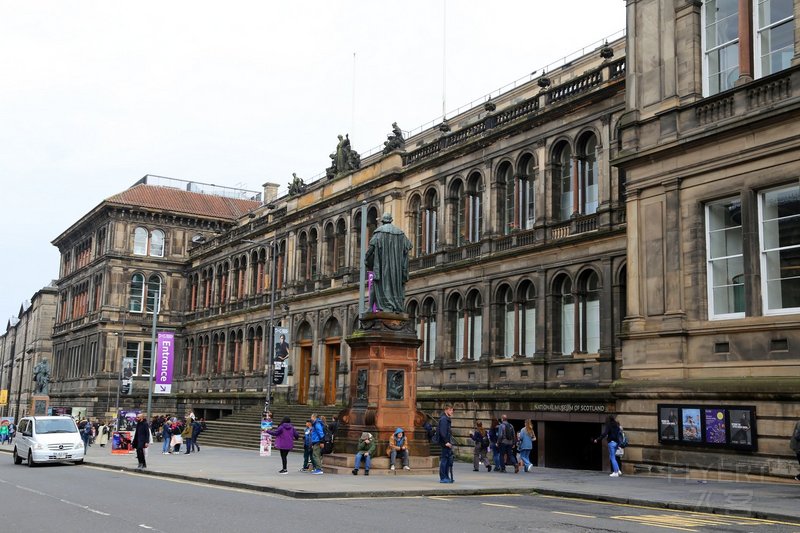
{"x": 383, "y": 393}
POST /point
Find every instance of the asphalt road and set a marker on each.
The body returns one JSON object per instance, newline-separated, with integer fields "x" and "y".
{"x": 66, "y": 498}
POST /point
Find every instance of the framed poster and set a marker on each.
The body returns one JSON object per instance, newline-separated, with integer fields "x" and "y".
{"x": 690, "y": 425}
{"x": 715, "y": 421}
{"x": 668, "y": 429}
{"x": 742, "y": 424}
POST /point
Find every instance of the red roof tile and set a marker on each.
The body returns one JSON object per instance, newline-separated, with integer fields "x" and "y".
{"x": 178, "y": 201}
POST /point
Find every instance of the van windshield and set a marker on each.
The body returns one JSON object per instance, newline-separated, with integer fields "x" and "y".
{"x": 63, "y": 425}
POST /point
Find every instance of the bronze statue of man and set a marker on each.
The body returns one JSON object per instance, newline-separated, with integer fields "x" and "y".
{"x": 387, "y": 258}
{"x": 41, "y": 375}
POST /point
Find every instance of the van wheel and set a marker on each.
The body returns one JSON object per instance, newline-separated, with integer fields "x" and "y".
{"x": 17, "y": 458}
{"x": 30, "y": 459}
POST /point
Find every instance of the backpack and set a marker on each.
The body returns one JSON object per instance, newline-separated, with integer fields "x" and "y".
{"x": 434, "y": 436}
{"x": 485, "y": 440}
{"x": 623, "y": 439}
{"x": 508, "y": 432}
{"x": 327, "y": 439}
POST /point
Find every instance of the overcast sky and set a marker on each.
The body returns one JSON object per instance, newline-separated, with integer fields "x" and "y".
{"x": 96, "y": 94}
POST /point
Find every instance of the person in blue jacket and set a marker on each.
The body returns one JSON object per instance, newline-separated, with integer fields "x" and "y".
{"x": 317, "y": 437}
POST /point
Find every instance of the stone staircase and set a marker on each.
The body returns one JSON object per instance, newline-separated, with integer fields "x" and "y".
{"x": 242, "y": 429}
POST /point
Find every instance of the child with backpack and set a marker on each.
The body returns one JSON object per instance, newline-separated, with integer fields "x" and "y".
{"x": 479, "y": 454}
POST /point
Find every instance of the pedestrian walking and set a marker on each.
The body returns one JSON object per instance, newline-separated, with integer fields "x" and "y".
{"x": 480, "y": 452}
{"x": 506, "y": 438}
{"x": 285, "y": 435}
{"x": 317, "y": 438}
{"x": 494, "y": 446}
{"x": 445, "y": 438}
{"x": 197, "y": 428}
{"x": 526, "y": 439}
{"x": 613, "y": 434}
{"x": 86, "y": 435}
{"x": 794, "y": 444}
{"x": 141, "y": 440}
{"x": 102, "y": 435}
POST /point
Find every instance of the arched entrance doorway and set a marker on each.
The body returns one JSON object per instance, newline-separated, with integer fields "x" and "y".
{"x": 332, "y": 333}
{"x": 305, "y": 343}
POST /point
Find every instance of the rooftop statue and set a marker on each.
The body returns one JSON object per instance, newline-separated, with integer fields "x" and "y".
{"x": 387, "y": 258}
{"x": 296, "y": 186}
{"x": 394, "y": 141}
{"x": 344, "y": 159}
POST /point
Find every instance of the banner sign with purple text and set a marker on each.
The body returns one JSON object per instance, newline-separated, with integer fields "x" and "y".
{"x": 164, "y": 357}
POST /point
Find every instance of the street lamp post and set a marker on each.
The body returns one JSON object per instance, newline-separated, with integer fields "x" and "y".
{"x": 153, "y": 351}
{"x": 271, "y": 352}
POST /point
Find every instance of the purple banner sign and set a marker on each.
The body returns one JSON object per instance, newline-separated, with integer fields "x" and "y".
{"x": 164, "y": 357}
{"x": 372, "y": 307}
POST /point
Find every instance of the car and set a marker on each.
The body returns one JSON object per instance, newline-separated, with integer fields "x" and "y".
{"x": 48, "y": 439}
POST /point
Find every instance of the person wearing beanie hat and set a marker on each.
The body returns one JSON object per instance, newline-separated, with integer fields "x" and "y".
{"x": 366, "y": 449}
{"x": 398, "y": 445}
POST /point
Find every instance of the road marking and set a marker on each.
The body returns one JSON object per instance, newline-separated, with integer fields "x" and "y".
{"x": 574, "y": 514}
{"x": 499, "y": 505}
{"x": 745, "y": 520}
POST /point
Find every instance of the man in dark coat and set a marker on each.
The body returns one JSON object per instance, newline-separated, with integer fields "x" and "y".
{"x": 387, "y": 258}
{"x": 445, "y": 441}
{"x": 141, "y": 440}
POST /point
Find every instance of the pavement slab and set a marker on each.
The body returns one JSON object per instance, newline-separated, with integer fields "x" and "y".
{"x": 245, "y": 469}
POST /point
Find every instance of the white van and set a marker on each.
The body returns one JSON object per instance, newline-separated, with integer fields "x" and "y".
{"x": 48, "y": 439}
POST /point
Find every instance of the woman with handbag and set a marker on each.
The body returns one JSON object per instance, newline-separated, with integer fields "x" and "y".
{"x": 613, "y": 433}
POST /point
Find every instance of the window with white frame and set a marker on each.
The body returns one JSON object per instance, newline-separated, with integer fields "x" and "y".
{"x": 772, "y": 36}
{"x": 141, "y": 353}
{"x": 724, "y": 258}
{"x": 136, "y": 293}
{"x": 774, "y": 42}
{"x": 140, "y": 241}
{"x": 779, "y": 236}
{"x": 157, "y": 243}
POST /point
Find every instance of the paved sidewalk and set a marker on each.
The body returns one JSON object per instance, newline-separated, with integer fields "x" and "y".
{"x": 246, "y": 469}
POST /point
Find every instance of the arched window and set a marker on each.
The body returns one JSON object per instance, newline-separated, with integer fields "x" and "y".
{"x": 563, "y": 181}
{"x": 412, "y": 310}
{"x": 506, "y": 198}
{"x": 428, "y": 330}
{"x": 506, "y": 315}
{"x": 589, "y": 313}
{"x": 313, "y": 242}
{"x": 339, "y": 245}
{"x": 302, "y": 251}
{"x": 458, "y": 203}
{"x": 154, "y": 293}
{"x": 525, "y": 193}
{"x": 588, "y": 174}
{"x": 330, "y": 249}
{"x": 474, "y": 333}
{"x": 157, "y": 243}
{"x": 429, "y": 222}
{"x": 526, "y": 334}
{"x": 474, "y": 207}
{"x": 457, "y": 326}
{"x": 140, "y": 241}
{"x": 136, "y": 294}
{"x": 566, "y": 307}
{"x": 355, "y": 239}
{"x": 415, "y": 224}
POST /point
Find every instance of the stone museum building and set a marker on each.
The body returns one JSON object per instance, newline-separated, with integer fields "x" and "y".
{"x": 618, "y": 235}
